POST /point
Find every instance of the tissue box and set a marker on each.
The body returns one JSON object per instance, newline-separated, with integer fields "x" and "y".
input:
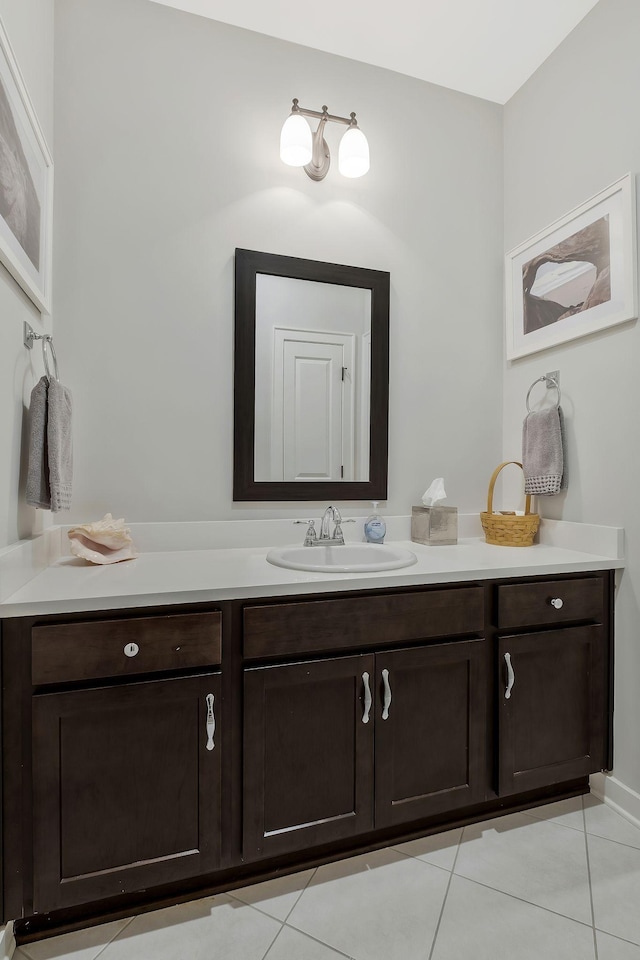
{"x": 434, "y": 525}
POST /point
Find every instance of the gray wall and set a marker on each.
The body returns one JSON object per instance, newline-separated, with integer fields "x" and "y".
{"x": 167, "y": 130}
{"x": 29, "y": 24}
{"x": 569, "y": 132}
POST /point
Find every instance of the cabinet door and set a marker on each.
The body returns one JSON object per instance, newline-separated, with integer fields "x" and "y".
{"x": 430, "y": 730}
{"x": 126, "y": 789}
{"x": 551, "y": 691}
{"x": 308, "y": 754}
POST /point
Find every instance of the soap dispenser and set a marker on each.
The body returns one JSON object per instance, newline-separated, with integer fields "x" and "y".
{"x": 375, "y": 528}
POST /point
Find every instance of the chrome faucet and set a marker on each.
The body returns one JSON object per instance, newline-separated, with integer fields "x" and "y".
{"x": 338, "y": 536}
{"x": 324, "y": 539}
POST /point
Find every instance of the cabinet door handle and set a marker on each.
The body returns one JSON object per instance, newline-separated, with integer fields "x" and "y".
{"x": 367, "y": 697}
{"x": 557, "y": 603}
{"x": 211, "y": 721}
{"x": 387, "y": 695}
{"x": 511, "y": 677}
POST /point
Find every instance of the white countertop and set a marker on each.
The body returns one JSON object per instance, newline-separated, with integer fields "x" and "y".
{"x": 70, "y": 585}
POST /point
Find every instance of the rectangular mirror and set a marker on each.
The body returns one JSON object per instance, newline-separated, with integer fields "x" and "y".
{"x": 311, "y": 379}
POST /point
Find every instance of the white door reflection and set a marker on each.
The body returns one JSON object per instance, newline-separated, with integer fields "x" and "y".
{"x": 312, "y": 380}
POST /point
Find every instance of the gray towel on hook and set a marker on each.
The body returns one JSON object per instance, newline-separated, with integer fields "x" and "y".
{"x": 565, "y": 478}
{"x": 38, "y": 493}
{"x": 59, "y": 445}
{"x": 542, "y": 452}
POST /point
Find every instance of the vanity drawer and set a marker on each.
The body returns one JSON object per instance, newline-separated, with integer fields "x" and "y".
{"x": 530, "y": 604}
{"x": 316, "y": 626}
{"x": 65, "y": 652}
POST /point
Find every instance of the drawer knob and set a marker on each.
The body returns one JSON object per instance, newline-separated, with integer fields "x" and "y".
{"x": 557, "y": 603}
{"x": 131, "y": 649}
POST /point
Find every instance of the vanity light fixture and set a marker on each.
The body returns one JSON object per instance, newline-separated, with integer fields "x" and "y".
{"x": 300, "y": 147}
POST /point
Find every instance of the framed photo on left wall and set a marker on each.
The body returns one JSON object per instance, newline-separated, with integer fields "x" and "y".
{"x": 26, "y": 185}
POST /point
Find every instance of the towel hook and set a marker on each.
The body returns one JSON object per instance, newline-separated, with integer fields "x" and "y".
{"x": 549, "y": 380}
{"x": 47, "y": 341}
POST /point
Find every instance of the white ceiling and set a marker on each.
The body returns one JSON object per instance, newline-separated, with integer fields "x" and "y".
{"x": 487, "y": 48}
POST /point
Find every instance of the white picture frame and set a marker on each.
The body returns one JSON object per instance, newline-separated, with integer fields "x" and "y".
{"x": 575, "y": 277}
{"x": 26, "y": 185}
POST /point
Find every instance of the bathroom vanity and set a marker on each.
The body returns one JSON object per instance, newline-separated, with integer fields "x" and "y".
{"x": 159, "y": 752}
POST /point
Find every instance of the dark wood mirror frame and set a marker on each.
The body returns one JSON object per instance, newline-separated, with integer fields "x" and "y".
{"x": 249, "y": 263}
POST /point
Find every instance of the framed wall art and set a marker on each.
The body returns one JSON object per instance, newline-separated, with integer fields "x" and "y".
{"x": 26, "y": 185}
{"x": 575, "y": 277}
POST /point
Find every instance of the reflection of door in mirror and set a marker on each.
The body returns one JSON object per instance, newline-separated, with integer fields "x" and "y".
{"x": 312, "y": 380}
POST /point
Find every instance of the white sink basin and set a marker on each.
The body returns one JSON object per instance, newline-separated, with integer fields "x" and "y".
{"x": 343, "y": 558}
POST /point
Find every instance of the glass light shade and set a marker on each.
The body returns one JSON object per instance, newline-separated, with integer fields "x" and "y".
{"x": 353, "y": 153}
{"x": 295, "y": 141}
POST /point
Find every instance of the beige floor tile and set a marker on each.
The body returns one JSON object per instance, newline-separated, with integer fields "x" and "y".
{"x": 275, "y": 897}
{"x": 380, "y": 906}
{"x": 293, "y": 945}
{"x": 216, "y": 928}
{"x": 81, "y": 945}
{"x": 535, "y": 860}
{"x": 567, "y": 813}
{"x": 603, "y": 821}
{"x": 615, "y": 882}
{"x": 439, "y": 849}
{"x": 611, "y": 948}
{"x": 482, "y": 924}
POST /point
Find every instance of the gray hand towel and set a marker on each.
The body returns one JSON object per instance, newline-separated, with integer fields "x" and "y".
{"x": 542, "y": 452}
{"x": 565, "y": 476}
{"x": 38, "y": 493}
{"x": 59, "y": 446}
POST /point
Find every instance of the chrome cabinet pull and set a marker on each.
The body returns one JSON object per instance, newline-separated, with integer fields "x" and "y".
{"x": 211, "y": 721}
{"x": 511, "y": 677}
{"x": 387, "y": 695}
{"x": 557, "y": 603}
{"x": 367, "y": 697}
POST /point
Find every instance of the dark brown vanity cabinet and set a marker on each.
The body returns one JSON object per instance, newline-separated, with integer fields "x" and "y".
{"x": 308, "y": 754}
{"x": 553, "y": 696}
{"x": 551, "y": 713}
{"x": 341, "y": 746}
{"x": 334, "y": 748}
{"x": 145, "y": 761}
{"x": 126, "y": 794}
{"x": 126, "y": 772}
{"x": 430, "y": 730}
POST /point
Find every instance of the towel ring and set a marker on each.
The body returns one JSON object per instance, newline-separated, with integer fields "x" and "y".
{"x": 29, "y": 337}
{"x": 48, "y": 342}
{"x": 549, "y": 380}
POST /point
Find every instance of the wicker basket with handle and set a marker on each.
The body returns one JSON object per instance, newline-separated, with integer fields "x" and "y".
{"x": 508, "y": 530}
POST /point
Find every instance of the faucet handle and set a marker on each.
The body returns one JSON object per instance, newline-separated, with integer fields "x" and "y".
{"x": 311, "y": 535}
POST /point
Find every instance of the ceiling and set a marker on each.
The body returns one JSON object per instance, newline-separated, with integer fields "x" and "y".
{"x": 487, "y": 48}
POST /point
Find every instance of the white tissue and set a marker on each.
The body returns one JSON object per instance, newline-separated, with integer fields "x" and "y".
{"x": 435, "y": 494}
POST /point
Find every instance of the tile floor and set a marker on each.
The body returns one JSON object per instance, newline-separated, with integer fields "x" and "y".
{"x": 559, "y": 882}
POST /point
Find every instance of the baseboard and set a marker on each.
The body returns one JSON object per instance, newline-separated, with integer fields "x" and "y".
{"x": 7, "y": 942}
{"x": 620, "y": 798}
